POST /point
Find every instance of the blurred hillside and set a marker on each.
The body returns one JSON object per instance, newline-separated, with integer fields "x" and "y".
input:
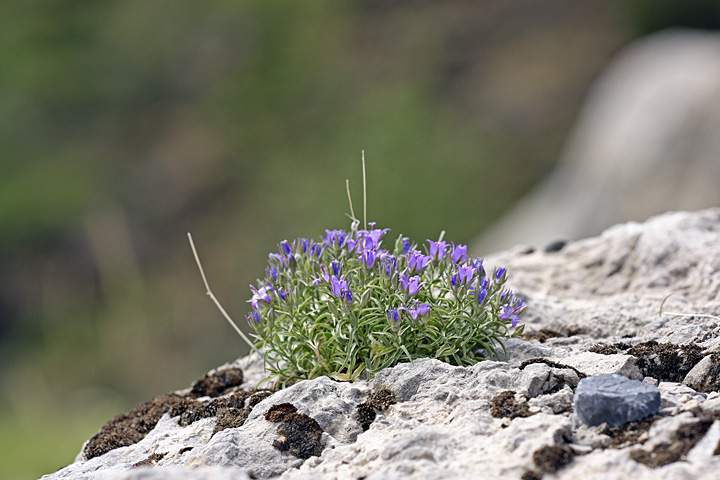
{"x": 124, "y": 125}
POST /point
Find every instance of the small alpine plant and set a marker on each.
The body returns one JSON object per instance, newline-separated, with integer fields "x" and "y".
{"x": 346, "y": 306}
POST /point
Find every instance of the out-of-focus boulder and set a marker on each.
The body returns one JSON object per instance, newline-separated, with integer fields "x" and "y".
{"x": 647, "y": 141}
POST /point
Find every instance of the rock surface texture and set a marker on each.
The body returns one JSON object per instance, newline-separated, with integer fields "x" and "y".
{"x": 593, "y": 309}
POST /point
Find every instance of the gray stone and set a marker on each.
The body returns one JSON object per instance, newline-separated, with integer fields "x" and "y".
{"x": 615, "y": 400}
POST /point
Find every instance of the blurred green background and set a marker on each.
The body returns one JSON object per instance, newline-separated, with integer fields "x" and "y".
{"x": 126, "y": 124}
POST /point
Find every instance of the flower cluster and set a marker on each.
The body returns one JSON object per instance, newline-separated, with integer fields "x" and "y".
{"x": 345, "y": 306}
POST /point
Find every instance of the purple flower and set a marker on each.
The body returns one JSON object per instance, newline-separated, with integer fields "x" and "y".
{"x": 392, "y": 314}
{"x": 368, "y": 258}
{"x": 278, "y": 258}
{"x": 417, "y": 310}
{"x": 340, "y": 289}
{"x": 411, "y": 285}
{"x": 478, "y": 265}
{"x": 324, "y": 277}
{"x": 351, "y": 245}
{"x": 370, "y": 244}
{"x": 304, "y": 244}
{"x": 334, "y": 238}
{"x": 437, "y": 249}
{"x": 465, "y": 274}
{"x": 508, "y": 313}
{"x": 335, "y": 268}
{"x": 459, "y": 253}
{"x": 406, "y": 245}
{"x": 482, "y": 294}
{"x": 417, "y": 261}
{"x": 372, "y": 237}
{"x": 261, "y": 294}
{"x": 388, "y": 263}
{"x": 282, "y": 294}
{"x": 316, "y": 250}
{"x": 338, "y": 285}
{"x": 272, "y": 274}
{"x": 253, "y": 317}
{"x": 500, "y": 274}
{"x": 285, "y": 246}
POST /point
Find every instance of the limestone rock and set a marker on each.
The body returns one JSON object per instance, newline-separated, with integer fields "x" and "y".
{"x": 592, "y": 309}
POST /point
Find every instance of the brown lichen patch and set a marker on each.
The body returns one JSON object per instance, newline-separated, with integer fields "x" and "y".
{"x": 258, "y": 396}
{"x": 298, "y": 434}
{"x": 552, "y": 458}
{"x": 191, "y": 410}
{"x": 230, "y": 418}
{"x": 218, "y": 383}
{"x": 541, "y": 335}
{"x": 378, "y": 400}
{"x": 129, "y": 428}
{"x": 150, "y": 460}
{"x": 230, "y": 412}
{"x": 504, "y": 405}
{"x": 682, "y": 441}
